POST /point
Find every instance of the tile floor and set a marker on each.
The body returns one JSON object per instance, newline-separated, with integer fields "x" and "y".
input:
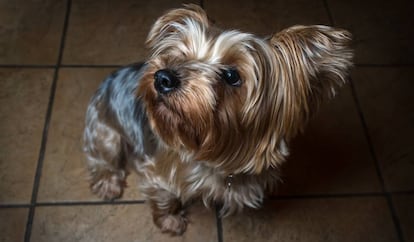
{"x": 350, "y": 176}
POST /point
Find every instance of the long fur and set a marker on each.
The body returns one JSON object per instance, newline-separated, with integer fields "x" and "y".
{"x": 187, "y": 144}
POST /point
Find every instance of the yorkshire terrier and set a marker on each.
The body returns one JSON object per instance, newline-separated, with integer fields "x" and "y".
{"x": 210, "y": 114}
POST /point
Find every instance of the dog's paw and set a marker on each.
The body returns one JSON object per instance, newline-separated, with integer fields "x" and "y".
{"x": 174, "y": 224}
{"x": 108, "y": 185}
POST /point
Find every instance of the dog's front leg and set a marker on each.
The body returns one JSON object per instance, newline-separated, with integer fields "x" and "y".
{"x": 167, "y": 211}
{"x": 106, "y": 164}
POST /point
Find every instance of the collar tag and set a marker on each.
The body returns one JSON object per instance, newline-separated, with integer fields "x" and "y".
{"x": 229, "y": 180}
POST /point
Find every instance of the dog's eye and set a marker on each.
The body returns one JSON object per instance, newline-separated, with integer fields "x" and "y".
{"x": 231, "y": 76}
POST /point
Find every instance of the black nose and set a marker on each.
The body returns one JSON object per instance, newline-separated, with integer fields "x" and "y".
{"x": 165, "y": 81}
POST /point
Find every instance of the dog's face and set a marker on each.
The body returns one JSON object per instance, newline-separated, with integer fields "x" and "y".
{"x": 232, "y": 99}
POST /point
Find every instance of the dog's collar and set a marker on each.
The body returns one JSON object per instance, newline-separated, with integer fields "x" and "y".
{"x": 229, "y": 181}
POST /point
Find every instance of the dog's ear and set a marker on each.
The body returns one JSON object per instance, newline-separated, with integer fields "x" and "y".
{"x": 175, "y": 21}
{"x": 313, "y": 61}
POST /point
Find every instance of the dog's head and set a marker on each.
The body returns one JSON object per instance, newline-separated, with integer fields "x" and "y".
{"x": 233, "y": 99}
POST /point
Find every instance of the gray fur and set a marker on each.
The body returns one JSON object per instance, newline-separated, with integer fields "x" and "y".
{"x": 116, "y": 103}
{"x": 116, "y": 130}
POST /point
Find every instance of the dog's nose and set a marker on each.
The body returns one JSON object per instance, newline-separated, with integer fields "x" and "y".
{"x": 165, "y": 81}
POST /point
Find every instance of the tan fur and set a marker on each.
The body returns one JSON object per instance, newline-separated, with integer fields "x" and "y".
{"x": 208, "y": 130}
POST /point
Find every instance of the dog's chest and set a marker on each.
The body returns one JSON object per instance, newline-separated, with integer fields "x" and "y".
{"x": 232, "y": 191}
{"x": 193, "y": 180}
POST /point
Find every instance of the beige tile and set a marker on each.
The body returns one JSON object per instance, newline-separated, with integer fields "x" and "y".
{"x": 64, "y": 169}
{"x": 382, "y": 29}
{"x": 386, "y": 97}
{"x": 24, "y": 96}
{"x": 332, "y": 156}
{"x": 265, "y": 17}
{"x": 114, "y": 223}
{"x": 30, "y": 31}
{"x": 334, "y": 219}
{"x": 404, "y": 205}
{"x": 12, "y": 224}
{"x": 111, "y": 32}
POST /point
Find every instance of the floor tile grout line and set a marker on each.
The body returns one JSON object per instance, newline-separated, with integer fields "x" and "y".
{"x": 328, "y": 12}
{"x": 409, "y": 192}
{"x": 92, "y": 66}
{"x": 400, "y": 65}
{"x": 27, "y": 66}
{"x": 387, "y": 195}
{"x": 368, "y": 137}
{"x": 73, "y": 203}
{"x": 327, "y": 196}
{"x": 39, "y": 166}
{"x": 142, "y": 201}
{"x": 3, "y": 206}
{"x": 63, "y": 66}
{"x": 42, "y": 149}
{"x": 89, "y": 203}
{"x": 219, "y": 224}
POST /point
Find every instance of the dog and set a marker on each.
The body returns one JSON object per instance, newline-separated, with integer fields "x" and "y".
{"x": 210, "y": 114}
